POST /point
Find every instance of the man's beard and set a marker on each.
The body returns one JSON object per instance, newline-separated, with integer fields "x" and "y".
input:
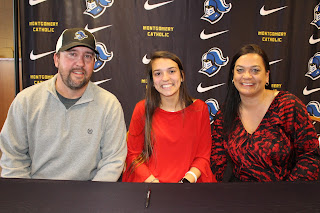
{"x": 67, "y": 80}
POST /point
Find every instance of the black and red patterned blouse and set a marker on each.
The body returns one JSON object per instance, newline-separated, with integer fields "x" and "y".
{"x": 284, "y": 147}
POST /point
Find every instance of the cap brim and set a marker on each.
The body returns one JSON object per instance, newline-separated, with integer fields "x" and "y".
{"x": 76, "y": 44}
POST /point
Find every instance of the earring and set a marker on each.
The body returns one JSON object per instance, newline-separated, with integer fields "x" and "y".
{"x": 267, "y": 84}
{"x": 232, "y": 81}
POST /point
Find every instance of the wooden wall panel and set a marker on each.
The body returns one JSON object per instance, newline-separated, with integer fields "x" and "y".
{"x": 7, "y": 87}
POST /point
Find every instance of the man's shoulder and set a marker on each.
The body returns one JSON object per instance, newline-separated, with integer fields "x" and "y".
{"x": 33, "y": 91}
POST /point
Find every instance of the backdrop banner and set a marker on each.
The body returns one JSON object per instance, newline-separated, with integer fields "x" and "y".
{"x": 205, "y": 34}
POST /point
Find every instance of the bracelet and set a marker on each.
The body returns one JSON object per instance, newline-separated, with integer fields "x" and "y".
{"x": 194, "y": 175}
{"x": 154, "y": 180}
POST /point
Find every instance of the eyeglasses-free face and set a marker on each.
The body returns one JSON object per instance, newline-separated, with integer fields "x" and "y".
{"x": 167, "y": 77}
{"x": 250, "y": 75}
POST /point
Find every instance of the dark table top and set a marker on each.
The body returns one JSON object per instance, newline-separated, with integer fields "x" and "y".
{"x": 25, "y": 195}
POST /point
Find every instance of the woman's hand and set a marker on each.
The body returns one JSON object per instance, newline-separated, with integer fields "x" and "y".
{"x": 152, "y": 179}
{"x": 191, "y": 176}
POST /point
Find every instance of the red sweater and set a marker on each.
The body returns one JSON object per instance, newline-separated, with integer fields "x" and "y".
{"x": 182, "y": 141}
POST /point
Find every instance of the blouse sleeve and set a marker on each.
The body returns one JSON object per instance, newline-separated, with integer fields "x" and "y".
{"x": 218, "y": 152}
{"x": 306, "y": 146}
{"x": 202, "y": 157}
{"x": 135, "y": 142}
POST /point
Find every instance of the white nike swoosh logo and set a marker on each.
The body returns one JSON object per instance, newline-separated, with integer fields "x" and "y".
{"x": 100, "y": 82}
{"x": 273, "y": 62}
{"x": 308, "y": 92}
{"x": 264, "y": 12}
{"x": 145, "y": 60}
{"x": 148, "y": 6}
{"x": 96, "y": 29}
{"x": 205, "y": 89}
{"x": 313, "y": 41}
{"x": 35, "y": 57}
{"x": 34, "y": 2}
{"x": 204, "y": 36}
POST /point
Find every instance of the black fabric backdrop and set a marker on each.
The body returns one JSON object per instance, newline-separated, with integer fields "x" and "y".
{"x": 129, "y": 30}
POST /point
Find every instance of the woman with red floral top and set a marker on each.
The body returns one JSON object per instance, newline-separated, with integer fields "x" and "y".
{"x": 265, "y": 135}
{"x": 169, "y": 139}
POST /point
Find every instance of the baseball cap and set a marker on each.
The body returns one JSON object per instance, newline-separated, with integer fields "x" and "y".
{"x": 74, "y": 37}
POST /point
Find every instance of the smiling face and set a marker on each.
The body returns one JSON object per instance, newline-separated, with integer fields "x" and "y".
{"x": 167, "y": 77}
{"x": 75, "y": 67}
{"x": 250, "y": 75}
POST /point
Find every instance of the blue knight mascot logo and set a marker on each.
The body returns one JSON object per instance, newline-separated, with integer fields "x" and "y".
{"x": 316, "y": 15}
{"x": 314, "y": 67}
{"x": 80, "y": 35}
{"x": 212, "y": 61}
{"x": 103, "y": 57}
{"x": 313, "y": 108}
{"x": 213, "y": 107}
{"x": 214, "y": 10}
{"x": 96, "y": 8}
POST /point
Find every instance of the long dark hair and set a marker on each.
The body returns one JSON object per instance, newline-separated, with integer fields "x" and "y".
{"x": 230, "y": 107}
{"x": 153, "y": 100}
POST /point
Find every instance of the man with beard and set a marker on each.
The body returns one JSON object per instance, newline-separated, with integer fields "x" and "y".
{"x": 65, "y": 128}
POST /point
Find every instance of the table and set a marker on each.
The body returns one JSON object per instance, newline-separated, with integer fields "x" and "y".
{"x": 25, "y": 195}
